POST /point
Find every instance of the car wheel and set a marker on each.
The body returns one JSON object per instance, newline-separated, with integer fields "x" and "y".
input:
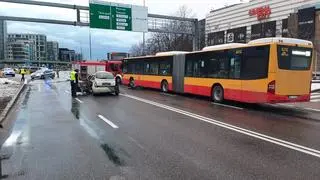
{"x": 164, "y": 86}
{"x": 217, "y": 94}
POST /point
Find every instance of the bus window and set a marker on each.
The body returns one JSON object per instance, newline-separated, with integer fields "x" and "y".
{"x": 131, "y": 67}
{"x": 294, "y": 58}
{"x": 195, "y": 65}
{"x": 154, "y": 68}
{"x": 165, "y": 68}
{"x": 151, "y": 68}
{"x": 189, "y": 70}
{"x": 235, "y": 63}
{"x": 255, "y": 62}
{"x": 139, "y": 68}
{"x": 217, "y": 65}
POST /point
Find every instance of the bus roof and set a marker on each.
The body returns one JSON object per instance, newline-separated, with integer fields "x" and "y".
{"x": 280, "y": 40}
{"x": 169, "y": 53}
{"x": 223, "y": 46}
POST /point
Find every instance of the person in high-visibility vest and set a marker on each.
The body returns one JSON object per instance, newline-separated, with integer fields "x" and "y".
{"x": 22, "y": 72}
{"x": 74, "y": 82}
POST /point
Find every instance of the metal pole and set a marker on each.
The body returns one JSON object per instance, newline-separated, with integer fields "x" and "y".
{"x": 90, "y": 44}
{"x": 143, "y": 34}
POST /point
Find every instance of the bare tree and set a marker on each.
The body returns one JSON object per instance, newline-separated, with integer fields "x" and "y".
{"x": 160, "y": 42}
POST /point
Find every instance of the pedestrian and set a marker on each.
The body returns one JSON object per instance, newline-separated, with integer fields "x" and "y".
{"x": 22, "y": 72}
{"x": 58, "y": 73}
{"x": 77, "y": 80}
{"x": 73, "y": 83}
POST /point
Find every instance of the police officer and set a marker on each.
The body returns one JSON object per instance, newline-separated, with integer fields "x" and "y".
{"x": 22, "y": 72}
{"x": 73, "y": 81}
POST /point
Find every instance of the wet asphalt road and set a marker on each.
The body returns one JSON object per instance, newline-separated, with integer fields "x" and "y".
{"x": 144, "y": 134}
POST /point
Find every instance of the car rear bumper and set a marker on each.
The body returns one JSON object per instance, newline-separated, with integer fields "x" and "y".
{"x": 108, "y": 89}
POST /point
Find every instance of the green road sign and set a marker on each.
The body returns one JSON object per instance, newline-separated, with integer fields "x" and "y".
{"x": 105, "y": 15}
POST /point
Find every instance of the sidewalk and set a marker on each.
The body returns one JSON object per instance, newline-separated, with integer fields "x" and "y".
{"x": 51, "y": 143}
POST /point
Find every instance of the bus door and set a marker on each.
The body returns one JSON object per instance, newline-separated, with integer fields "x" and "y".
{"x": 233, "y": 85}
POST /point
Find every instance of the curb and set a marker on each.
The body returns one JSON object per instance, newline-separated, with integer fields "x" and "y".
{"x": 9, "y": 106}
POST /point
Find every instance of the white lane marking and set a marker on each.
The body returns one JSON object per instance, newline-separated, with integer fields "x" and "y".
{"x": 225, "y": 105}
{"x": 78, "y": 100}
{"x": 311, "y": 109}
{"x": 108, "y": 122}
{"x": 68, "y": 92}
{"x": 315, "y": 100}
{"x": 264, "y": 137}
{"x": 136, "y": 142}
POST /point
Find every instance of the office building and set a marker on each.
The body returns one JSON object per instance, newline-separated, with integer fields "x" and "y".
{"x": 66, "y": 55}
{"x": 20, "y": 50}
{"x": 52, "y": 51}
{"x": 40, "y": 44}
{"x": 255, "y": 19}
{"x": 3, "y": 39}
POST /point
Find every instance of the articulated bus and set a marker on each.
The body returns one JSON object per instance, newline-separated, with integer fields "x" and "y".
{"x": 268, "y": 70}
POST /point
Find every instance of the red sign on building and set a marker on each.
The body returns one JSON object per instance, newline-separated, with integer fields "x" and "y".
{"x": 261, "y": 12}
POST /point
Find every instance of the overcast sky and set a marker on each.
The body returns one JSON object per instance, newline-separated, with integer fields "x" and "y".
{"x": 103, "y": 41}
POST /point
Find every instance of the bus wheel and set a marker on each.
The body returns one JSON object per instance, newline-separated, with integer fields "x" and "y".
{"x": 118, "y": 80}
{"x": 131, "y": 83}
{"x": 217, "y": 94}
{"x": 164, "y": 86}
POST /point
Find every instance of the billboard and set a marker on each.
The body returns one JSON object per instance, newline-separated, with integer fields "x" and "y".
{"x": 215, "y": 38}
{"x": 237, "y": 35}
{"x": 107, "y": 15}
{"x": 306, "y": 25}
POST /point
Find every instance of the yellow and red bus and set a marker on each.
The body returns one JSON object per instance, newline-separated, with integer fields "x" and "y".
{"x": 268, "y": 70}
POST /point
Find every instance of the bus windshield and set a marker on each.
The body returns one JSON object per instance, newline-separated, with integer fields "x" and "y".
{"x": 294, "y": 58}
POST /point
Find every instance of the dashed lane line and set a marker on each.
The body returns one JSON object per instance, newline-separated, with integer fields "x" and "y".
{"x": 280, "y": 142}
{"x": 229, "y": 106}
{"x": 78, "y": 100}
{"x": 108, "y": 121}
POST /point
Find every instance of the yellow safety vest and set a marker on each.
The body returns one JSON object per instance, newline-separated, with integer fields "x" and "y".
{"x": 73, "y": 75}
{"x": 23, "y": 71}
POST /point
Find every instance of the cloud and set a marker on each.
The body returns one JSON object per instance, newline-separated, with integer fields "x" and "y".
{"x": 102, "y": 41}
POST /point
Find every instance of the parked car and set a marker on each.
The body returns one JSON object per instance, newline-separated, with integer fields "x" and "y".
{"x": 43, "y": 74}
{"x": 103, "y": 82}
{"x": 9, "y": 72}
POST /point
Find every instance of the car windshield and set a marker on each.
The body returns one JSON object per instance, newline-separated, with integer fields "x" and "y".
{"x": 104, "y": 75}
